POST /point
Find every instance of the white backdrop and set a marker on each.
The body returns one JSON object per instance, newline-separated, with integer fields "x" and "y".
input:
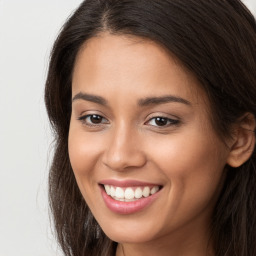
{"x": 27, "y": 32}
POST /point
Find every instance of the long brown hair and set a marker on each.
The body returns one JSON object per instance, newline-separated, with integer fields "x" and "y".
{"x": 214, "y": 39}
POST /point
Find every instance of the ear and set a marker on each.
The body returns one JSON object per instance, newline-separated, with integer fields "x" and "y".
{"x": 243, "y": 142}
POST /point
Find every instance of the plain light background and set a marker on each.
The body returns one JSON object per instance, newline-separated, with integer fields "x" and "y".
{"x": 27, "y": 31}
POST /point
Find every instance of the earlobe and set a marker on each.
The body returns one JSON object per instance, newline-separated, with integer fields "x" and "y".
{"x": 244, "y": 141}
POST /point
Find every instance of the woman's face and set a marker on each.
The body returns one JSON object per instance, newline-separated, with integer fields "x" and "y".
{"x": 140, "y": 127}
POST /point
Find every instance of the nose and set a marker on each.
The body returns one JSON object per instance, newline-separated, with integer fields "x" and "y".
{"x": 124, "y": 150}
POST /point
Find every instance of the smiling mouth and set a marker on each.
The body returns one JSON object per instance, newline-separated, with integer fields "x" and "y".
{"x": 129, "y": 194}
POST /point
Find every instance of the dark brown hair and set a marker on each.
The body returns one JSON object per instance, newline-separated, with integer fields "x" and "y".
{"x": 215, "y": 40}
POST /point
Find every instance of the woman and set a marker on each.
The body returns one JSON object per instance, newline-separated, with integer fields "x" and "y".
{"x": 153, "y": 105}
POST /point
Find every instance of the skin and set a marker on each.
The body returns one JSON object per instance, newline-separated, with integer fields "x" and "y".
{"x": 185, "y": 156}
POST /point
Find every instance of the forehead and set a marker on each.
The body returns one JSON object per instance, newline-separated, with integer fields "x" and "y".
{"x": 128, "y": 64}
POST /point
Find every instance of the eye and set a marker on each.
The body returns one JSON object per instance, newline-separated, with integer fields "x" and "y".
{"x": 93, "y": 120}
{"x": 160, "y": 121}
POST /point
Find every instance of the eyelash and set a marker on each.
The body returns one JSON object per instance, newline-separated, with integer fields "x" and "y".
{"x": 83, "y": 119}
{"x": 166, "y": 121}
{"x": 169, "y": 121}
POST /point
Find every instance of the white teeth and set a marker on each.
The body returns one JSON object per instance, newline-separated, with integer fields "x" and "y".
{"x": 112, "y": 191}
{"x": 107, "y": 188}
{"x": 119, "y": 193}
{"x": 146, "y": 192}
{"x": 130, "y": 194}
{"x": 138, "y": 193}
{"x": 154, "y": 190}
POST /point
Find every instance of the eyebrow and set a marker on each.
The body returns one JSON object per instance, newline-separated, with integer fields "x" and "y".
{"x": 142, "y": 102}
{"x": 90, "y": 97}
{"x": 161, "y": 100}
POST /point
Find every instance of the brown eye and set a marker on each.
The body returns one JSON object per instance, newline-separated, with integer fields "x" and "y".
{"x": 160, "y": 121}
{"x": 93, "y": 119}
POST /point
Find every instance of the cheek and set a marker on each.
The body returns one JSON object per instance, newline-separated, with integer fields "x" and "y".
{"x": 79, "y": 153}
{"x": 84, "y": 153}
{"x": 193, "y": 151}
{"x": 184, "y": 155}
{"x": 193, "y": 166}
{"x": 84, "y": 150}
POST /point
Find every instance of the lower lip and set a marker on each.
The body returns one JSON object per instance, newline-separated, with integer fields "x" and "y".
{"x": 121, "y": 207}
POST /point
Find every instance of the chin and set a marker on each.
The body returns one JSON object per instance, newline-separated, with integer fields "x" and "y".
{"x": 130, "y": 232}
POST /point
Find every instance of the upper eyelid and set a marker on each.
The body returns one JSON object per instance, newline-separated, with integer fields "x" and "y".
{"x": 172, "y": 120}
{"x": 163, "y": 115}
{"x": 150, "y": 117}
{"x": 168, "y": 118}
{"x": 90, "y": 124}
{"x": 87, "y": 115}
{"x": 92, "y": 112}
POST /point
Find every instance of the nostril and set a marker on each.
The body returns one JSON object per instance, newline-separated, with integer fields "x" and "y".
{"x": 123, "y": 162}
{"x": 123, "y": 151}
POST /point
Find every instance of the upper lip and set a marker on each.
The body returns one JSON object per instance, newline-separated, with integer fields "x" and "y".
{"x": 126, "y": 183}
